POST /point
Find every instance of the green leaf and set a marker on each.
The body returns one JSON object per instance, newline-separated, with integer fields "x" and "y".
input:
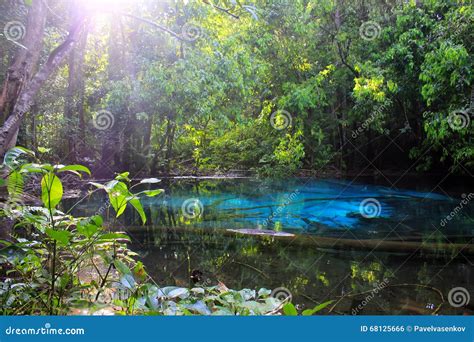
{"x": 128, "y": 281}
{"x": 173, "y": 292}
{"x": 317, "y": 308}
{"x": 98, "y": 221}
{"x": 290, "y": 310}
{"x": 135, "y": 202}
{"x": 114, "y": 236}
{"x": 61, "y": 236}
{"x": 36, "y": 168}
{"x": 15, "y": 184}
{"x": 87, "y": 229}
{"x": 43, "y": 149}
{"x": 150, "y": 181}
{"x": 118, "y": 197}
{"x": 152, "y": 193}
{"x": 78, "y": 168}
{"x": 51, "y": 190}
{"x": 29, "y": 3}
{"x": 12, "y": 156}
{"x": 122, "y": 267}
{"x": 123, "y": 176}
{"x": 264, "y": 292}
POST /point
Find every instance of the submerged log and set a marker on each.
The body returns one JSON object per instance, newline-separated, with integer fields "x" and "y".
{"x": 335, "y": 243}
{"x": 266, "y": 232}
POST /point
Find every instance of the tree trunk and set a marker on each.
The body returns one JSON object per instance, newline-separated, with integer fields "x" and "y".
{"x": 25, "y": 61}
{"x": 9, "y": 130}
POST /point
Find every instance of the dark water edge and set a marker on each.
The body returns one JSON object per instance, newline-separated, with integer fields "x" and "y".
{"x": 407, "y": 282}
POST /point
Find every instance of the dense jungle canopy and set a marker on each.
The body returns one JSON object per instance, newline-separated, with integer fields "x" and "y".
{"x": 271, "y": 86}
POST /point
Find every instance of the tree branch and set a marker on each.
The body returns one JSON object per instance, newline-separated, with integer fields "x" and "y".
{"x": 152, "y": 23}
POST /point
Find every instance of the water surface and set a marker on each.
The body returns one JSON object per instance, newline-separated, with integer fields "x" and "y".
{"x": 186, "y": 229}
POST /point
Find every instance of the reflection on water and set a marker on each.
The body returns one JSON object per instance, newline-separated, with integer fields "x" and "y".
{"x": 410, "y": 281}
{"x": 322, "y": 207}
{"x": 311, "y": 274}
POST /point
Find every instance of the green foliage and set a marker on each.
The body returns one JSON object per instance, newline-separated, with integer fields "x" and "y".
{"x": 204, "y": 106}
{"x": 289, "y": 309}
{"x": 55, "y": 263}
{"x": 51, "y": 190}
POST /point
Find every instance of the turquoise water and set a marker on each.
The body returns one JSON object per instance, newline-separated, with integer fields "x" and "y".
{"x": 172, "y": 249}
{"x": 321, "y": 207}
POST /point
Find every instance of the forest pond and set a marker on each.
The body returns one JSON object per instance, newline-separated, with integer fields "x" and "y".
{"x": 349, "y": 238}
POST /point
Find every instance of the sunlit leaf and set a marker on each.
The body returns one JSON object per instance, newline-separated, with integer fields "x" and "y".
{"x": 118, "y": 198}
{"x": 290, "y": 310}
{"x": 51, "y": 190}
{"x": 317, "y": 308}
{"x": 77, "y": 168}
{"x": 43, "y": 149}
{"x": 135, "y": 202}
{"x": 123, "y": 176}
{"x": 152, "y": 193}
